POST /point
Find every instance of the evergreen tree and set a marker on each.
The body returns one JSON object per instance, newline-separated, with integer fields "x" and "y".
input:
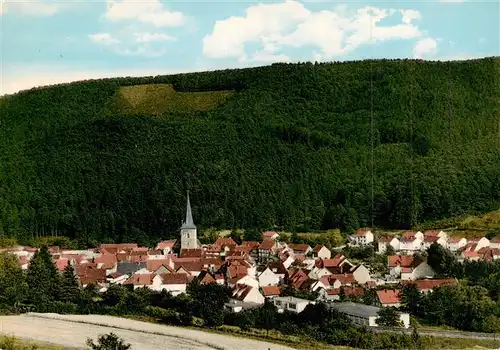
{"x": 70, "y": 288}
{"x": 13, "y": 285}
{"x": 42, "y": 278}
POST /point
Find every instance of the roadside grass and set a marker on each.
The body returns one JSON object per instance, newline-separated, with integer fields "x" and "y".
{"x": 11, "y": 343}
{"x": 156, "y": 99}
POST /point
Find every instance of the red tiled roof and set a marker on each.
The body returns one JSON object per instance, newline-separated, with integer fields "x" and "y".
{"x": 143, "y": 279}
{"x": 189, "y": 266}
{"x": 270, "y": 291}
{"x": 165, "y": 244}
{"x": 353, "y": 291}
{"x": 174, "y": 278}
{"x": 423, "y": 285}
{"x": 191, "y": 253}
{"x": 401, "y": 260}
{"x": 108, "y": 261}
{"x": 317, "y": 248}
{"x": 139, "y": 258}
{"x": 430, "y": 239}
{"x": 269, "y": 234}
{"x": 455, "y": 239}
{"x": 470, "y": 254}
{"x": 386, "y": 239}
{"x": 153, "y": 265}
{"x": 115, "y": 275}
{"x": 431, "y": 233}
{"x": 299, "y": 247}
{"x": 61, "y": 264}
{"x": 409, "y": 234}
{"x": 362, "y": 232}
{"x": 267, "y": 244}
{"x": 388, "y": 296}
{"x": 343, "y": 278}
{"x": 225, "y": 241}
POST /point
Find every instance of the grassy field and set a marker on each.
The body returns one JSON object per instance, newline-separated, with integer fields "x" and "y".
{"x": 156, "y": 99}
{"x": 11, "y": 343}
{"x": 468, "y": 225}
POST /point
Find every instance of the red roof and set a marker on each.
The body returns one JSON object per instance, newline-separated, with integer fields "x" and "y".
{"x": 455, "y": 239}
{"x": 388, "y": 296}
{"x": 269, "y": 234}
{"x": 225, "y": 241}
{"x": 143, "y": 279}
{"x": 335, "y": 262}
{"x": 345, "y": 278}
{"x": 270, "y": 291}
{"x": 267, "y": 244}
{"x": 386, "y": 239}
{"x": 401, "y": 260}
{"x": 495, "y": 240}
{"x": 108, "y": 261}
{"x": 423, "y": 285}
{"x": 153, "y": 265}
{"x": 174, "y": 278}
{"x": 317, "y": 248}
{"x": 61, "y": 264}
{"x": 431, "y": 233}
{"x": 362, "y": 232}
{"x": 299, "y": 247}
{"x": 191, "y": 253}
{"x": 165, "y": 244}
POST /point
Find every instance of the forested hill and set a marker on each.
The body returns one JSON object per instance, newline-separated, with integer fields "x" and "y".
{"x": 299, "y": 146}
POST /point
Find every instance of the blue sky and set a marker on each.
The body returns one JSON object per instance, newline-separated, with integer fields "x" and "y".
{"x": 48, "y": 42}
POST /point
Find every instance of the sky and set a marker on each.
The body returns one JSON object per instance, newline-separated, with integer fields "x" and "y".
{"x": 46, "y": 42}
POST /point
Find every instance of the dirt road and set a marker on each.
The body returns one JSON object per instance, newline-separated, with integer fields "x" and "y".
{"x": 73, "y": 331}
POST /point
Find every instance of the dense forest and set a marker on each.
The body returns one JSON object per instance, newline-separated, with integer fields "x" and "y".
{"x": 305, "y": 146}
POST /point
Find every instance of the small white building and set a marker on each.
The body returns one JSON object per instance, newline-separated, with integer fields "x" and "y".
{"x": 291, "y": 304}
{"x": 385, "y": 241}
{"x": 411, "y": 244}
{"x": 248, "y": 294}
{"x": 365, "y": 315}
{"x": 320, "y": 251}
{"x": 456, "y": 243}
{"x": 362, "y": 237}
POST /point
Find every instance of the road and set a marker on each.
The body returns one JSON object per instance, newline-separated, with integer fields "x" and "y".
{"x": 72, "y": 331}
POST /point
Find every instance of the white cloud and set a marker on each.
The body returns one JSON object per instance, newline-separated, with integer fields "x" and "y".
{"x": 145, "y": 37}
{"x": 151, "y": 12}
{"x": 291, "y": 25}
{"x": 410, "y": 15}
{"x": 104, "y": 39}
{"x": 35, "y": 8}
{"x": 425, "y": 47}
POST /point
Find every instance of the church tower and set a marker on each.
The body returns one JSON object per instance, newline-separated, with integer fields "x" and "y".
{"x": 189, "y": 238}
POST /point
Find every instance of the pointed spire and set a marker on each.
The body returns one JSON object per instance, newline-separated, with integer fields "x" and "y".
{"x": 189, "y": 223}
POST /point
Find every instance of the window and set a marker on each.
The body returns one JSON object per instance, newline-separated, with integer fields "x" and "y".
{"x": 292, "y": 306}
{"x": 277, "y": 303}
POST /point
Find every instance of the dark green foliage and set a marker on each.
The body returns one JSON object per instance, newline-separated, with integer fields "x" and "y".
{"x": 441, "y": 260}
{"x": 389, "y": 317}
{"x": 292, "y": 148}
{"x": 411, "y": 298}
{"x": 108, "y": 342}
{"x": 69, "y": 285}
{"x": 208, "y": 301}
{"x": 369, "y": 296}
{"x": 43, "y": 279}
{"x": 13, "y": 287}
{"x": 252, "y": 235}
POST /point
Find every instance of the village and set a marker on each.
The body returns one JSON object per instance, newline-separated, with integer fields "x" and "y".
{"x": 260, "y": 270}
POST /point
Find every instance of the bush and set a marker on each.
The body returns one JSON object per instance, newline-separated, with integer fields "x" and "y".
{"x": 108, "y": 342}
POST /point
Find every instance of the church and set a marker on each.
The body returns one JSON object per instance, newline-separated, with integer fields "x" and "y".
{"x": 189, "y": 236}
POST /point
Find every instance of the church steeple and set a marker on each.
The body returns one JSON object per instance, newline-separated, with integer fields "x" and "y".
{"x": 188, "y": 223}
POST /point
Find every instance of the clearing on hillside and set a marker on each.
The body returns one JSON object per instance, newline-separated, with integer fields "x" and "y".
{"x": 154, "y": 99}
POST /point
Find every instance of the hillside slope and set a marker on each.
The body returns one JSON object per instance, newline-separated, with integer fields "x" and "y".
{"x": 288, "y": 145}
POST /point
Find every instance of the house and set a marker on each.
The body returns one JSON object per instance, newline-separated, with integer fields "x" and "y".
{"x": 436, "y": 233}
{"x": 411, "y": 234}
{"x": 248, "y": 294}
{"x": 117, "y": 278}
{"x": 166, "y": 246}
{"x": 489, "y": 254}
{"x": 339, "y": 264}
{"x": 478, "y": 243}
{"x": 408, "y": 267}
{"x": 469, "y": 255}
{"x": 345, "y": 279}
{"x": 175, "y": 283}
{"x": 270, "y": 235}
{"x": 271, "y": 291}
{"x": 428, "y": 240}
{"x": 456, "y": 243}
{"x": 287, "y": 261}
{"x": 291, "y": 304}
{"x": 269, "y": 278}
{"x": 300, "y": 249}
{"x": 107, "y": 262}
{"x": 149, "y": 280}
{"x": 495, "y": 243}
{"x": 411, "y": 243}
{"x": 362, "y": 237}
{"x": 311, "y": 285}
{"x": 385, "y": 241}
{"x": 246, "y": 280}
{"x": 361, "y": 273}
{"x": 321, "y": 252}
{"x": 365, "y": 315}
{"x": 266, "y": 249}
{"x": 388, "y": 297}
{"x": 319, "y": 272}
